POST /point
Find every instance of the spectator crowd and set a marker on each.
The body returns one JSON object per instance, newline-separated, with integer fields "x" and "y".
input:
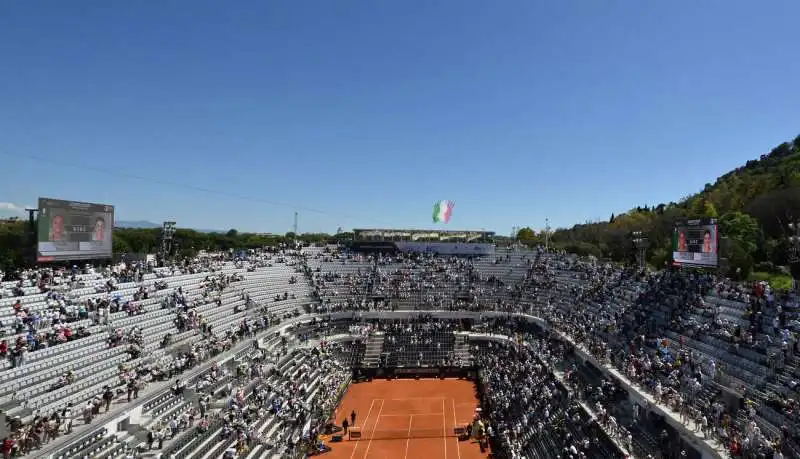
{"x": 721, "y": 356}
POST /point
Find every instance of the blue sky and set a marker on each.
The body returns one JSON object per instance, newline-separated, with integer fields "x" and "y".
{"x": 363, "y": 113}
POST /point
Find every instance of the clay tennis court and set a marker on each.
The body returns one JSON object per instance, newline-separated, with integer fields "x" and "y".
{"x": 407, "y": 418}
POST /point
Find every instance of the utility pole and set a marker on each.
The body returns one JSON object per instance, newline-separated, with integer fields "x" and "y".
{"x": 294, "y": 227}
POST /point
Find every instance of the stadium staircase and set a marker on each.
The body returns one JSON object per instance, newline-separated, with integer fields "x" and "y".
{"x": 372, "y": 355}
{"x": 371, "y": 291}
{"x": 461, "y": 350}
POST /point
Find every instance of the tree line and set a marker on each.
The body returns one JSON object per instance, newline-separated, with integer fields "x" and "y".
{"x": 186, "y": 242}
{"x": 754, "y": 205}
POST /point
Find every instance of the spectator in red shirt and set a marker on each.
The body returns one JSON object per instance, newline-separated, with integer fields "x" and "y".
{"x": 735, "y": 448}
{"x": 8, "y": 447}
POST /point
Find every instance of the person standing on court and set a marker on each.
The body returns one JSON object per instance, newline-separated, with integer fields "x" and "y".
{"x": 353, "y": 417}
{"x": 345, "y": 425}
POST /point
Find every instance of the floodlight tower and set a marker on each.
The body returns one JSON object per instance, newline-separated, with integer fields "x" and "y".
{"x": 640, "y": 243}
{"x": 167, "y": 235}
{"x": 546, "y": 234}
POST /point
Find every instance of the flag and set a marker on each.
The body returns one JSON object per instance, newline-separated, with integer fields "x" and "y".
{"x": 442, "y": 211}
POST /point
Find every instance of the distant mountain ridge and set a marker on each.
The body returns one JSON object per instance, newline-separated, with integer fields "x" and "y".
{"x": 143, "y": 224}
{"x": 138, "y": 224}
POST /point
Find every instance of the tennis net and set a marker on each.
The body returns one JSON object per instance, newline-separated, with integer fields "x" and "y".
{"x": 404, "y": 434}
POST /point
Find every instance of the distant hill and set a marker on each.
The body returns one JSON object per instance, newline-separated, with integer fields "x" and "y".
{"x": 136, "y": 224}
{"x": 754, "y": 204}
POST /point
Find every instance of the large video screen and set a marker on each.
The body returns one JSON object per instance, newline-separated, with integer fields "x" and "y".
{"x": 70, "y": 230}
{"x": 696, "y": 243}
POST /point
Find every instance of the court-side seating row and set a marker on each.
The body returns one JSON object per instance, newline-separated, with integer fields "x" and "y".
{"x": 272, "y": 425}
{"x": 338, "y": 276}
{"x": 46, "y": 363}
{"x": 98, "y": 367}
{"x": 658, "y": 307}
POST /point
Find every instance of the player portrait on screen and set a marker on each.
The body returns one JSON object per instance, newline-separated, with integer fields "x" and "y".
{"x": 99, "y": 233}
{"x": 57, "y": 228}
{"x": 682, "y": 246}
{"x": 708, "y": 246}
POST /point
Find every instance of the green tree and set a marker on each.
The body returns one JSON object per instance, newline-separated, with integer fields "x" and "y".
{"x": 703, "y": 207}
{"x": 120, "y": 246}
{"x": 528, "y": 236}
{"x": 743, "y": 228}
{"x": 526, "y": 233}
{"x": 741, "y": 262}
{"x": 343, "y": 236}
{"x": 584, "y": 249}
{"x": 12, "y": 242}
{"x": 775, "y": 209}
{"x": 660, "y": 257}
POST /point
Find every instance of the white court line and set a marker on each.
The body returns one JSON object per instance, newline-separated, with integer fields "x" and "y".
{"x": 366, "y": 453}
{"x": 408, "y": 435}
{"x": 365, "y": 423}
{"x": 420, "y": 398}
{"x": 455, "y": 421}
{"x": 412, "y": 414}
{"x": 444, "y": 430}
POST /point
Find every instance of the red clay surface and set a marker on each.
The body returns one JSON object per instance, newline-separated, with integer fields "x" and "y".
{"x": 408, "y": 419}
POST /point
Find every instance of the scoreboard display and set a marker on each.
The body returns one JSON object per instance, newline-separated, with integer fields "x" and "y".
{"x": 70, "y": 230}
{"x": 696, "y": 243}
